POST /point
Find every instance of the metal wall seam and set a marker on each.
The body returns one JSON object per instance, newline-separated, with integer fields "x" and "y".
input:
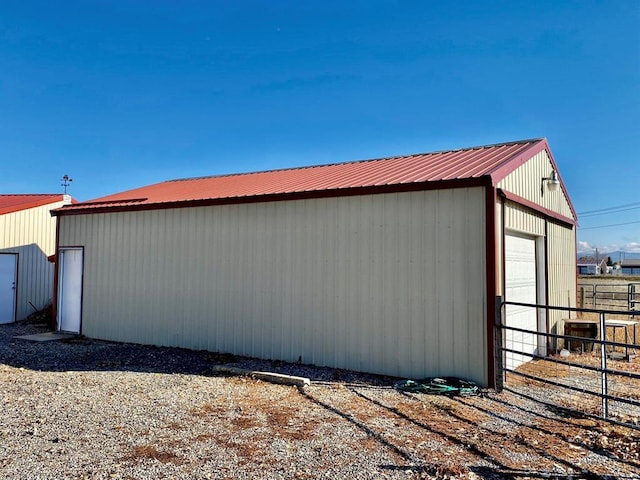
{"x": 372, "y": 283}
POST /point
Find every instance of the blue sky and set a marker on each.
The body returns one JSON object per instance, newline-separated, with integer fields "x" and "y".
{"x": 123, "y": 94}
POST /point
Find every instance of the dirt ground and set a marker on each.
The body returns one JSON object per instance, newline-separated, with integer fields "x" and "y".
{"x": 90, "y": 409}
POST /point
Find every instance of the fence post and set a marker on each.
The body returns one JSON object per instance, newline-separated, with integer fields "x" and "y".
{"x": 498, "y": 346}
{"x": 603, "y": 367}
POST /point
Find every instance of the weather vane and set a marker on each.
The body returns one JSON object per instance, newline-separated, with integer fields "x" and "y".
{"x": 66, "y": 181}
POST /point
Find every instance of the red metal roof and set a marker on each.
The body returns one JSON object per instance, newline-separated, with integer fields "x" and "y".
{"x": 492, "y": 162}
{"x": 14, "y": 203}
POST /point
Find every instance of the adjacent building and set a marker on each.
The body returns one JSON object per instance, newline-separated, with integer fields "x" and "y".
{"x": 27, "y": 238}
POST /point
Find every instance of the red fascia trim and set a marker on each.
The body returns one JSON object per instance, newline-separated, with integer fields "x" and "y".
{"x": 512, "y": 197}
{"x": 277, "y": 197}
{"x": 507, "y": 168}
{"x": 27, "y": 205}
{"x": 491, "y": 256}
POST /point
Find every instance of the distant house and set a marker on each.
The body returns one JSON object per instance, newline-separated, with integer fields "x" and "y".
{"x": 389, "y": 266}
{"x": 589, "y": 266}
{"x": 588, "y": 269}
{"x": 27, "y": 238}
{"x": 630, "y": 266}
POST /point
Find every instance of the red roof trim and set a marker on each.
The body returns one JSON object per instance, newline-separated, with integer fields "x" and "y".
{"x": 423, "y": 171}
{"x": 509, "y": 167}
{"x": 10, "y": 203}
{"x": 392, "y": 174}
{"x": 512, "y": 197}
{"x": 96, "y": 207}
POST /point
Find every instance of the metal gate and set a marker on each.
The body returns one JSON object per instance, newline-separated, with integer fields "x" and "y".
{"x": 586, "y": 375}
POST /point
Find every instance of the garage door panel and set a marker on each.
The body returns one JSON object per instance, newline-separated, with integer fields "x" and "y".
{"x": 520, "y": 286}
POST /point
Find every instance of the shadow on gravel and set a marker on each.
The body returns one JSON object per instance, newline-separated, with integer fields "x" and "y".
{"x": 84, "y": 354}
{"x": 516, "y": 474}
{"x": 81, "y": 354}
{"x": 557, "y": 433}
{"x": 415, "y": 466}
{"x": 487, "y": 438}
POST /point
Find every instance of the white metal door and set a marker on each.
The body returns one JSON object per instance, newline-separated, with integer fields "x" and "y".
{"x": 520, "y": 286}
{"x": 69, "y": 289}
{"x": 8, "y": 286}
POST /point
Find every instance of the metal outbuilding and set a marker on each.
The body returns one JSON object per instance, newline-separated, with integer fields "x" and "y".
{"x": 27, "y": 238}
{"x": 390, "y": 266}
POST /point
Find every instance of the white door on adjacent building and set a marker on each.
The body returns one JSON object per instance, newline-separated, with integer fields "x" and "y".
{"x": 520, "y": 286}
{"x": 8, "y": 286}
{"x": 69, "y": 312}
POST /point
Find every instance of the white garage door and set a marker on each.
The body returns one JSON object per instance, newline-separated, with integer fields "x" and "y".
{"x": 521, "y": 286}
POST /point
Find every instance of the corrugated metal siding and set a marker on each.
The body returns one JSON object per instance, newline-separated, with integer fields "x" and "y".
{"x": 31, "y": 233}
{"x": 391, "y": 283}
{"x": 521, "y": 219}
{"x": 526, "y": 181}
{"x": 561, "y": 247}
{"x": 561, "y": 256}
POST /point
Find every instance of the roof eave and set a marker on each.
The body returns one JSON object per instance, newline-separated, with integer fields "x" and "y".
{"x": 34, "y": 204}
{"x": 339, "y": 192}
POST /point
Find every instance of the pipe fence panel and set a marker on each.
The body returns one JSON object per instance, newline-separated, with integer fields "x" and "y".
{"x": 594, "y": 371}
{"x": 620, "y": 296}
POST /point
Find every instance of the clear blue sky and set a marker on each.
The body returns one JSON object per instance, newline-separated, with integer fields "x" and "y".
{"x": 124, "y": 94}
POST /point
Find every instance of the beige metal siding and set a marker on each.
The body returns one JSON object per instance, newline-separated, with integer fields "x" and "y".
{"x": 520, "y": 220}
{"x": 392, "y": 283}
{"x": 31, "y": 233}
{"x": 524, "y": 220}
{"x": 561, "y": 247}
{"x": 561, "y": 256}
{"x": 526, "y": 181}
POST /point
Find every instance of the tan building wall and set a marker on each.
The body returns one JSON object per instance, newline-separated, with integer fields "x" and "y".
{"x": 389, "y": 283}
{"x": 526, "y": 181}
{"x": 561, "y": 242}
{"x": 31, "y": 233}
{"x": 556, "y": 240}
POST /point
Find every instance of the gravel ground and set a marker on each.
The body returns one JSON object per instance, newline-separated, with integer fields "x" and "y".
{"x": 81, "y": 408}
